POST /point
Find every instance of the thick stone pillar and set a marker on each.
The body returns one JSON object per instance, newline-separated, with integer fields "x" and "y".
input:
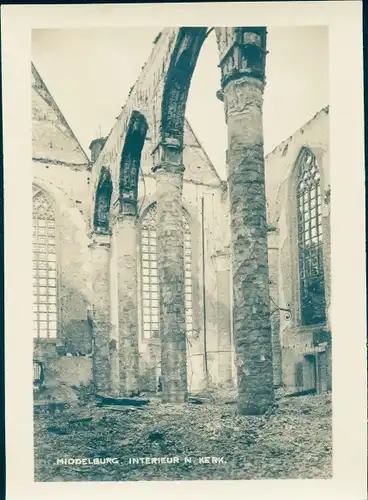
{"x": 242, "y": 67}
{"x": 170, "y": 261}
{"x": 101, "y": 322}
{"x": 125, "y": 229}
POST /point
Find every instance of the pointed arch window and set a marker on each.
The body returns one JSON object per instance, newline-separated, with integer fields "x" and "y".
{"x": 310, "y": 241}
{"x": 44, "y": 280}
{"x": 149, "y": 276}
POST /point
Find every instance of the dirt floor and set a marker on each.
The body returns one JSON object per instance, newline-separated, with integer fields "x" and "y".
{"x": 294, "y": 440}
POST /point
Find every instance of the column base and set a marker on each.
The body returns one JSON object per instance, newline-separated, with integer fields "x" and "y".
{"x": 257, "y": 408}
{"x": 174, "y": 397}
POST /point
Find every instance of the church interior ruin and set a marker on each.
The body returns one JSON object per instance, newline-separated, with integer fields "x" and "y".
{"x": 151, "y": 273}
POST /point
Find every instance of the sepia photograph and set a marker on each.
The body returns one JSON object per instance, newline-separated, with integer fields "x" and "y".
{"x": 181, "y": 255}
{"x": 184, "y": 251}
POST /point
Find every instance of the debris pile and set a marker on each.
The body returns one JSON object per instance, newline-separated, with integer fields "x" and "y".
{"x": 208, "y": 439}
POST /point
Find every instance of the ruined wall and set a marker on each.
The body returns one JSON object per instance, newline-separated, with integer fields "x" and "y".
{"x": 212, "y": 313}
{"x": 73, "y": 263}
{"x": 200, "y": 181}
{"x": 296, "y": 340}
{"x": 52, "y": 138}
{"x": 61, "y": 169}
{"x": 145, "y": 96}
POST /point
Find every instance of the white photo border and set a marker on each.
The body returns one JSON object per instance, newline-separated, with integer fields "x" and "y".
{"x": 344, "y": 20}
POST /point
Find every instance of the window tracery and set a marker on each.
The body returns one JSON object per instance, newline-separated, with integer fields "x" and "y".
{"x": 310, "y": 241}
{"x": 149, "y": 276}
{"x": 44, "y": 279}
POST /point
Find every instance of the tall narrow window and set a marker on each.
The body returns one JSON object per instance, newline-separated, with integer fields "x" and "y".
{"x": 44, "y": 267}
{"x": 188, "y": 275}
{"x": 312, "y": 287}
{"x": 150, "y": 292}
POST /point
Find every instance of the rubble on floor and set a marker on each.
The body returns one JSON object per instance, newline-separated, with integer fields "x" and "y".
{"x": 294, "y": 440}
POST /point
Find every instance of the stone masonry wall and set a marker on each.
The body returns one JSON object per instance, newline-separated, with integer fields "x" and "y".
{"x": 61, "y": 169}
{"x": 73, "y": 266}
{"x": 217, "y": 313}
{"x": 296, "y": 341}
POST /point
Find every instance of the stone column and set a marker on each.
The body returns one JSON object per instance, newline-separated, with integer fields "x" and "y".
{"x": 126, "y": 241}
{"x": 101, "y": 322}
{"x": 170, "y": 261}
{"x": 243, "y": 65}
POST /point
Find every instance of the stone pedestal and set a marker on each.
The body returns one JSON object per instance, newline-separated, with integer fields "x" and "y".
{"x": 170, "y": 252}
{"x": 126, "y": 241}
{"x": 101, "y": 323}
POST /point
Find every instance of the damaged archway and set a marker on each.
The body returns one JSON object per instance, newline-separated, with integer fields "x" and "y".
{"x": 242, "y": 61}
{"x": 100, "y": 252}
{"x": 125, "y": 229}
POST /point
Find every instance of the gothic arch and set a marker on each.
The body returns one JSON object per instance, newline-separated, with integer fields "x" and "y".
{"x": 61, "y": 198}
{"x": 130, "y": 162}
{"x": 302, "y": 152}
{"x": 242, "y": 70}
{"x": 101, "y": 218}
{"x": 182, "y": 64}
{"x": 246, "y": 57}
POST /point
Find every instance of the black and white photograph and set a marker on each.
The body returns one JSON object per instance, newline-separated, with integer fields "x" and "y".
{"x": 181, "y": 304}
{"x": 181, "y": 249}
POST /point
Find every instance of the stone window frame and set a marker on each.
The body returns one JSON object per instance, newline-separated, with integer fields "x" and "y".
{"x": 195, "y": 294}
{"x": 35, "y": 190}
{"x": 293, "y": 234}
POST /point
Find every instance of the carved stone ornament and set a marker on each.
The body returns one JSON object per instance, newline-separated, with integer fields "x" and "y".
{"x": 168, "y": 154}
{"x": 241, "y": 96}
{"x": 242, "y": 53}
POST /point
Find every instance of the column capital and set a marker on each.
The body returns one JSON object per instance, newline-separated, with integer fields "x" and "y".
{"x": 167, "y": 155}
{"x": 123, "y": 208}
{"x": 100, "y": 239}
{"x": 128, "y": 207}
{"x": 120, "y": 217}
{"x": 243, "y": 54}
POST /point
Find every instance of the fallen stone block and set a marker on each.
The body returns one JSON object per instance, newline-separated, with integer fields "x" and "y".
{"x": 122, "y": 401}
{"x": 60, "y": 431}
{"x": 123, "y": 408}
{"x": 196, "y": 401}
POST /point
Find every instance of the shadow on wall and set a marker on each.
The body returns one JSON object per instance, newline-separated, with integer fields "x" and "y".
{"x": 75, "y": 330}
{"x": 218, "y": 347}
{"x": 68, "y": 361}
